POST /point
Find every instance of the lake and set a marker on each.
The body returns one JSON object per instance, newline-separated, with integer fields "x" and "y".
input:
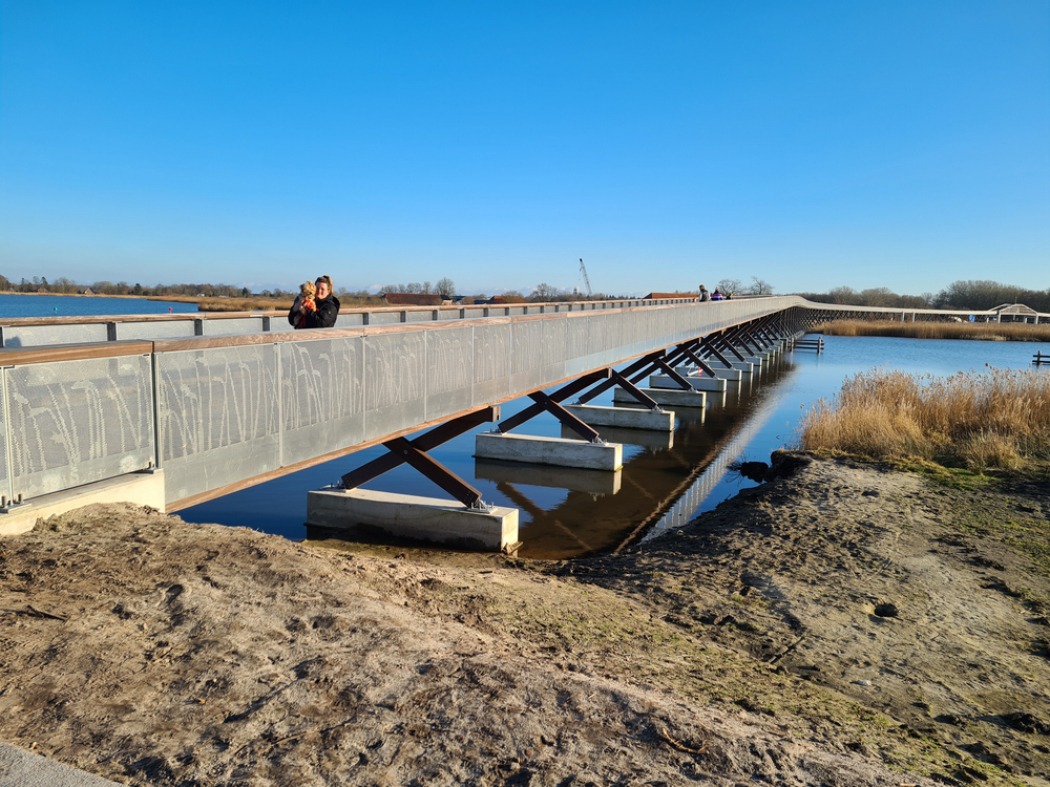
{"x": 16, "y": 305}
{"x": 666, "y": 479}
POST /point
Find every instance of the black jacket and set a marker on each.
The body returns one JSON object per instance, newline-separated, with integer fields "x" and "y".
{"x": 324, "y": 317}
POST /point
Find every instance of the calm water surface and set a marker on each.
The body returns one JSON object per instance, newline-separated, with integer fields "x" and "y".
{"x": 666, "y": 479}
{"x": 74, "y": 306}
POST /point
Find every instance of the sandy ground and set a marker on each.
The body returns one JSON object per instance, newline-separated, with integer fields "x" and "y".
{"x": 846, "y": 625}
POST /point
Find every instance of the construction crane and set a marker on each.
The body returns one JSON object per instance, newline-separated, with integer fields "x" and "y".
{"x": 586, "y": 281}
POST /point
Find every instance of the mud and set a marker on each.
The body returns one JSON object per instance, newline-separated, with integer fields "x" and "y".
{"x": 843, "y": 625}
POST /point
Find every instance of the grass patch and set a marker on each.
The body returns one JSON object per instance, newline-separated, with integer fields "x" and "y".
{"x": 997, "y": 419}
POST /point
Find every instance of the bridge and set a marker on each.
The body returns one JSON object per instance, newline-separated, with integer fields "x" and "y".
{"x": 174, "y": 410}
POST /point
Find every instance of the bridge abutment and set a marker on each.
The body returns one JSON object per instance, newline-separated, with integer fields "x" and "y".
{"x": 142, "y": 489}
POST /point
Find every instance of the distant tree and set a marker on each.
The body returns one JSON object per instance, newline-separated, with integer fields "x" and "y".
{"x": 245, "y": 292}
{"x": 544, "y": 292}
{"x": 730, "y": 285}
{"x": 760, "y": 287}
{"x": 63, "y": 284}
{"x": 428, "y": 288}
{"x": 446, "y": 287}
{"x": 414, "y": 287}
{"x": 977, "y": 295}
{"x": 878, "y": 296}
{"x": 137, "y": 289}
{"x": 4, "y": 283}
{"x": 843, "y": 295}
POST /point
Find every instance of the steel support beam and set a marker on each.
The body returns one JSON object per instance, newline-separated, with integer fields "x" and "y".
{"x": 549, "y": 403}
{"x": 709, "y": 346}
{"x": 414, "y": 453}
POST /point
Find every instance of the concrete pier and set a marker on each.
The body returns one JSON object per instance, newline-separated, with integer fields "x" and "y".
{"x": 446, "y": 522}
{"x": 699, "y": 383}
{"x": 649, "y": 439}
{"x": 623, "y": 417}
{"x": 549, "y": 451}
{"x": 675, "y": 397}
{"x": 593, "y": 482}
{"x": 721, "y": 373}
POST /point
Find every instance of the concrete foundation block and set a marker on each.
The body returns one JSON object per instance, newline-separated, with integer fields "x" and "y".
{"x": 721, "y": 373}
{"x": 549, "y": 451}
{"x": 699, "y": 383}
{"x": 593, "y": 482}
{"x": 142, "y": 489}
{"x": 744, "y": 366}
{"x": 649, "y": 439}
{"x": 675, "y": 397}
{"x": 446, "y": 522}
{"x": 623, "y": 417}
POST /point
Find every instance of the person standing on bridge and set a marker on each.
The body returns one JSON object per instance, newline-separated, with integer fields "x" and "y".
{"x": 325, "y": 308}
{"x": 704, "y": 294}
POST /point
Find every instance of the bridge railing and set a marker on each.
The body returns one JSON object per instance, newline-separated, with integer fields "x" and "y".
{"x": 221, "y": 413}
{"x": 46, "y": 331}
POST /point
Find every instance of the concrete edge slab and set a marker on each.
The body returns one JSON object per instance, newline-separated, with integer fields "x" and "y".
{"x": 21, "y": 768}
{"x": 143, "y": 489}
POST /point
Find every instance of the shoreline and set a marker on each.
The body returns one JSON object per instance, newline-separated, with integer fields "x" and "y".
{"x": 848, "y": 625}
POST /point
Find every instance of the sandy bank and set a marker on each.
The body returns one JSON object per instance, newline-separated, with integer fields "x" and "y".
{"x": 846, "y": 626}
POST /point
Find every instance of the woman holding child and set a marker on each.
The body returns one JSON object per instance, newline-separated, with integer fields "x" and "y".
{"x": 315, "y": 306}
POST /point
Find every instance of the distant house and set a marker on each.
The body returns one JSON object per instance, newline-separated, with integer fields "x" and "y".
{"x": 88, "y": 291}
{"x": 1016, "y": 312}
{"x": 411, "y": 299}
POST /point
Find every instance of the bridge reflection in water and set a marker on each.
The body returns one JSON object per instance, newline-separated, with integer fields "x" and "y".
{"x": 569, "y": 513}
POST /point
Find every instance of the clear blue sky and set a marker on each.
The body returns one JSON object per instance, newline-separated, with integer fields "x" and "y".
{"x": 900, "y": 143}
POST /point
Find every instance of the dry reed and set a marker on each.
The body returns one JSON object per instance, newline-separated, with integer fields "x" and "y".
{"x": 996, "y": 418}
{"x": 986, "y": 331}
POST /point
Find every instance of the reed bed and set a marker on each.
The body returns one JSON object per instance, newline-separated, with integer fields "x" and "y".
{"x": 997, "y": 418}
{"x": 986, "y": 331}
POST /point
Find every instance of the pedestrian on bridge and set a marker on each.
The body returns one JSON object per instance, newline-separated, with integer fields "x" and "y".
{"x": 704, "y": 294}
{"x": 324, "y": 311}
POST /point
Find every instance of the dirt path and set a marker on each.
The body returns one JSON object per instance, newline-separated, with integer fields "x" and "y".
{"x": 846, "y": 626}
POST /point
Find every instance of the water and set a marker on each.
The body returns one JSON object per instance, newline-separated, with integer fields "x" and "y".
{"x": 666, "y": 479}
{"x": 84, "y": 306}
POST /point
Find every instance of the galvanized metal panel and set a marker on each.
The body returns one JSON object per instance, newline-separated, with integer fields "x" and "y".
{"x": 217, "y": 417}
{"x": 384, "y": 318}
{"x": 472, "y": 314}
{"x": 419, "y": 316}
{"x": 449, "y": 375}
{"x": 44, "y": 335}
{"x": 492, "y": 353}
{"x": 395, "y": 388}
{"x": 234, "y": 326}
{"x": 448, "y": 314}
{"x": 167, "y": 329}
{"x": 78, "y": 422}
{"x": 585, "y": 339}
{"x": 5, "y": 480}
{"x": 322, "y": 397}
{"x": 279, "y": 324}
{"x": 538, "y": 353}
